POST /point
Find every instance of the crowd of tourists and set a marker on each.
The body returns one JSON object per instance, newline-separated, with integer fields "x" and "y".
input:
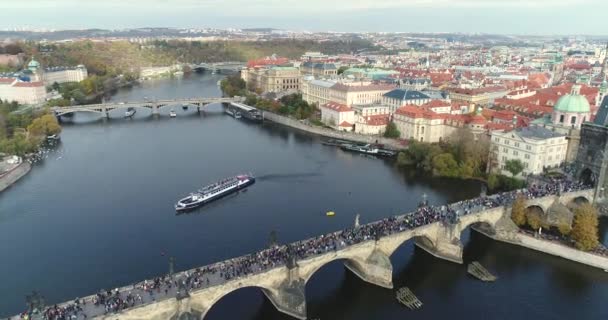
{"x": 172, "y": 285}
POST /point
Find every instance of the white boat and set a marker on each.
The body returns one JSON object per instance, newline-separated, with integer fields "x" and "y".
{"x": 214, "y": 191}
{"x": 172, "y": 114}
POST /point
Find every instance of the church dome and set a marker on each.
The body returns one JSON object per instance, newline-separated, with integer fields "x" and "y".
{"x": 33, "y": 64}
{"x": 573, "y": 102}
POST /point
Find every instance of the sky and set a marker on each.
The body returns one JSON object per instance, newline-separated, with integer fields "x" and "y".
{"x": 470, "y": 16}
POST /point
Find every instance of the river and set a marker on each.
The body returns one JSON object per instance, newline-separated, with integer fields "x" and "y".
{"x": 97, "y": 213}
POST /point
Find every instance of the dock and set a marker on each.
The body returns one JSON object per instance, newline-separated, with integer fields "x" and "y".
{"x": 478, "y": 271}
{"x": 406, "y": 297}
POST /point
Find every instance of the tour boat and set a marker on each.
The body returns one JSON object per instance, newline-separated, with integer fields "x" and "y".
{"x": 172, "y": 114}
{"x": 130, "y": 112}
{"x": 234, "y": 113}
{"x": 214, "y": 192}
{"x": 366, "y": 149}
{"x": 330, "y": 213}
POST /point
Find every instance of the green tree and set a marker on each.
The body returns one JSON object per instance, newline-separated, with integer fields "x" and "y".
{"x": 444, "y": 165}
{"x": 392, "y": 131}
{"x": 44, "y": 126}
{"x": 518, "y": 212}
{"x": 493, "y": 182}
{"x": 342, "y": 69}
{"x": 564, "y": 229}
{"x": 514, "y": 166}
{"x": 584, "y": 227}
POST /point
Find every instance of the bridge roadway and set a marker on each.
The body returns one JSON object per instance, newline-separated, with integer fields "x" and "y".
{"x": 283, "y": 271}
{"x": 105, "y": 108}
{"x": 230, "y": 66}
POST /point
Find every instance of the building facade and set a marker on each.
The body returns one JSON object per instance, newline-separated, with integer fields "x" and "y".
{"x": 64, "y": 74}
{"x": 273, "y": 79}
{"x": 23, "y": 92}
{"x": 338, "y": 116}
{"x": 536, "y": 147}
{"x": 400, "y": 97}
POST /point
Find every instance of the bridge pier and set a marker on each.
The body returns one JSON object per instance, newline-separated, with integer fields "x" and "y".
{"x": 376, "y": 269}
{"x": 155, "y": 110}
{"x": 445, "y": 243}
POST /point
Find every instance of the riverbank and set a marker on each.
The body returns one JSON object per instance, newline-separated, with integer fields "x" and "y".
{"x": 286, "y": 121}
{"x": 8, "y": 178}
{"x": 550, "y": 247}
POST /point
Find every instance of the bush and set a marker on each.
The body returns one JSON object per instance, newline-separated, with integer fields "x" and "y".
{"x": 564, "y": 229}
{"x": 392, "y": 131}
{"x": 534, "y": 220}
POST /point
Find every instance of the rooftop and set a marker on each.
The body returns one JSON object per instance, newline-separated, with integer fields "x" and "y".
{"x": 537, "y": 133}
{"x": 404, "y": 94}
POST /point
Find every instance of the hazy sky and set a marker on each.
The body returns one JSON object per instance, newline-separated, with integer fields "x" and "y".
{"x": 488, "y": 16}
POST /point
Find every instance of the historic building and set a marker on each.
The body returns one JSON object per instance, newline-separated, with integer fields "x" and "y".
{"x": 371, "y": 119}
{"x": 272, "y": 79}
{"x": 592, "y": 158}
{"x": 338, "y": 116}
{"x": 479, "y": 96}
{"x": 401, "y": 97}
{"x": 569, "y": 114}
{"x": 23, "y": 92}
{"x": 536, "y": 147}
{"x": 319, "y": 70}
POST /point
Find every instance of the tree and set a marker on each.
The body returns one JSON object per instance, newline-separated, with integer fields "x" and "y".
{"x": 44, "y": 126}
{"x": 564, "y": 229}
{"x": 392, "y": 131}
{"x": 342, "y": 69}
{"x": 444, "y": 165}
{"x": 534, "y": 219}
{"x": 514, "y": 166}
{"x": 493, "y": 181}
{"x": 518, "y": 212}
{"x": 584, "y": 227}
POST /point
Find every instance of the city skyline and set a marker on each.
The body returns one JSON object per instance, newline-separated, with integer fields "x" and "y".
{"x": 538, "y": 17}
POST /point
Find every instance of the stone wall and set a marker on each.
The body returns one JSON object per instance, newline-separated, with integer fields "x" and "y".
{"x": 7, "y": 179}
{"x": 389, "y": 143}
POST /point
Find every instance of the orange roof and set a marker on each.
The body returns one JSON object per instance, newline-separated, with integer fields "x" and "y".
{"x": 345, "y": 124}
{"x": 28, "y": 84}
{"x": 376, "y": 120}
{"x": 337, "y": 107}
{"x": 7, "y": 80}
{"x": 412, "y": 111}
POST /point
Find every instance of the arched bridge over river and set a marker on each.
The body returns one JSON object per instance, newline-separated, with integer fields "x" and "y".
{"x": 155, "y": 106}
{"x": 282, "y": 272}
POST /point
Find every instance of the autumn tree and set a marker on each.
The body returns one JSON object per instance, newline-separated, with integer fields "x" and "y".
{"x": 391, "y": 131}
{"x": 518, "y": 212}
{"x": 534, "y": 219}
{"x": 584, "y": 227}
{"x": 46, "y": 125}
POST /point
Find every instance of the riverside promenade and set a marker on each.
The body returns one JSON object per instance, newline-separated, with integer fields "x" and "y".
{"x": 330, "y": 133}
{"x": 13, "y": 174}
{"x": 281, "y": 272}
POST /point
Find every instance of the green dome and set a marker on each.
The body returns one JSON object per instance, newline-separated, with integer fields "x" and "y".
{"x": 573, "y": 103}
{"x": 33, "y": 64}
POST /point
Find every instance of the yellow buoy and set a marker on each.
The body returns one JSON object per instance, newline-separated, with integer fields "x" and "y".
{"x": 330, "y": 213}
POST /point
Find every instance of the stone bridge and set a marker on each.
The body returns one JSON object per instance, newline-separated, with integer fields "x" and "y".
{"x": 155, "y": 106}
{"x": 370, "y": 260}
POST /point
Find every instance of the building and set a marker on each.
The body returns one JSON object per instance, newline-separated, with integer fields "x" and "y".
{"x": 536, "y": 147}
{"x": 64, "y": 74}
{"x": 370, "y": 73}
{"x": 371, "y": 119}
{"x": 319, "y": 70}
{"x": 419, "y": 124}
{"x": 400, "y": 97}
{"x": 479, "y": 96}
{"x": 338, "y": 116}
{"x": 358, "y": 93}
{"x": 23, "y": 92}
{"x": 272, "y": 79}
{"x": 592, "y": 157}
{"x": 314, "y": 56}
{"x": 316, "y": 91}
{"x": 569, "y": 114}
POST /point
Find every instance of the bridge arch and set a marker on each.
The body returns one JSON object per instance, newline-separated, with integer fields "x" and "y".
{"x": 268, "y": 292}
{"x": 59, "y": 114}
{"x": 312, "y": 271}
{"x": 587, "y": 177}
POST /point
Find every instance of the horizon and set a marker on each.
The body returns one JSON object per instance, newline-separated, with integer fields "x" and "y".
{"x": 500, "y": 17}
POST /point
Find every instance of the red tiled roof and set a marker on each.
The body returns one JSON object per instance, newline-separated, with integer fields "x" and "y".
{"x": 345, "y": 124}
{"x": 476, "y": 91}
{"x": 7, "y": 80}
{"x": 337, "y": 107}
{"x": 417, "y": 112}
{"x": 28, "y": 84}
{"x": 435, "y": 104}
{"x": 376, "y": 120}
{"x": 268, "y": 61}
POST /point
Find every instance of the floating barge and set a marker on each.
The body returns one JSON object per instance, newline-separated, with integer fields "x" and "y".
{"x": 478, "y": 271}
{"x": 406, "y": 297}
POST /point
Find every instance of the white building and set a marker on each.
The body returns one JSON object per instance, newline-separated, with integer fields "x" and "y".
{"x": 536, "y": 148}
{"x": 23, "y": 92}
{"x": 338, "y": 116}
{"x": 64, "y": 74}
{"x": 371, "y": 119}
{"x": 400, "y": 97}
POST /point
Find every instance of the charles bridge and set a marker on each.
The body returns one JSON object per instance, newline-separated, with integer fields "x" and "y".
{"x": 284, "y": 284}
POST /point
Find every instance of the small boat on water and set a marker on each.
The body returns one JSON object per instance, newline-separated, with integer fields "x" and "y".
{"x": 130, "y": 112}
{"x": 172, "y": 114}
{"x": 53, "y": 137}
{"x": 234, "y": 113}
{"x": 365, "y": 149}
{"x": 214, "y": 191}
{"x": 184, "y": 107}
{"x": 330, "y": 213}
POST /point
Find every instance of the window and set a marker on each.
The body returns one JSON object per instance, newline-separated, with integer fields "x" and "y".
{"x": 517, "y": 144}
{"x": 515, "y": 153}
{"x": 573, "y": 120}
{"x": 528, "y": 147}
{"x": 527, "y": 156}
{"x": 504, "y": 159}
{"x": 561, "y": 118}
{"x": 505, "y": 150}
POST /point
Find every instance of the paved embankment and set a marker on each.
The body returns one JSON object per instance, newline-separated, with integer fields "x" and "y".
{"x": 553, "y": 248}
{"x": 389, "y": 143}
{"x": 11, "y": 176}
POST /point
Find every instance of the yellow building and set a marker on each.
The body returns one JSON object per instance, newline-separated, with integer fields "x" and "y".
{"x": 274, "y": 79}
